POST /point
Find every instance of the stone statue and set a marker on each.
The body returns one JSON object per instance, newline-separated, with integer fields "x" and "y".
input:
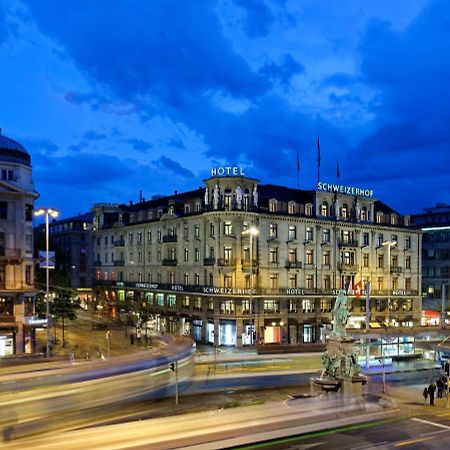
{"x": 351, "y": 367}
{"x": 216, "y": 196}
{"x": 206, "y": 197}
{"x": 239, "y": 196}
{"x": 255, "y": 196}
{"x": 357, "y": 210}
{"x": 336, "y": 208}
{"x": 340, "y": 315}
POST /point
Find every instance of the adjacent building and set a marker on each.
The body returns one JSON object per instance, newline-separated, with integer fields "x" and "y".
{"x": 17, "y": 291}
{"x": 237, "y": 262}
{"x": 435, "y": 226}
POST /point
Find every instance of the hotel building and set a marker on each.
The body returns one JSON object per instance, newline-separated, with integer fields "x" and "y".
{"x": 237, "y": 262}
{"x": 17, "y": 291}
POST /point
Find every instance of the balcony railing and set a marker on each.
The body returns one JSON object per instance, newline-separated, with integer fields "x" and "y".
{"x": 170, "y": 238}
{"x": 119, "y": 262}
{"x": 169, "y": 262}
{"x": 348, "y": 243}
{"x": 209, "y": 261}
{"x": 247, "y": 264}
{"x": 293, "y": 265}
{"x": 348, "y": 267}
{"x": 97, "y": 263}
{"x": 396, "y": 269}
{"x": 119, "y": 243}
{"x": 225, "y": 262}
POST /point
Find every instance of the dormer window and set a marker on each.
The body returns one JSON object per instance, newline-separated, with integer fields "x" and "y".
{"x": 150, "y": 215}
{"x": 171, "y": 210}
{"x": 345, "y": 210}
{"x": 309, "y": 209}
{"x": 379, "y": 217}
{"x": 272, "y": 205}
{"x": 407, "y": 221}
{"x": 198, "y": 206}
{"x": 324, "y": 209}
{"x": 394, "y": 219}
{"x": 364, "y": 216}
{"x": 291, "y": 208}
{"x": 187, "y": 208}
{"x": 160, "y": 213}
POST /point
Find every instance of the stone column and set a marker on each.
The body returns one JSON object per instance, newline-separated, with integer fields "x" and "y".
{"x": 239, "y": 331}
{"x": 216, "y": 331}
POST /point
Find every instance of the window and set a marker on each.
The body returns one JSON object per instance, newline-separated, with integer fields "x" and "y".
{"x": 130, "y": 238}
{"x": 158, "y": 255}
{"x": 273, "y": 281}
{"x": 186, "y": 232}
{"x": 307, "y": 306}
{"x": 211, "y": 279}
{"x": 380, "y": 283}
{"x": 394, "y": 238}
{"x": 394, "y": 261}
{"x": 326, "y": 235}
{"x": 227, "y": 307}
{"x": 160, "y": 299}
{"x": 28, "y": 212}
{"x": 291, "y": 208}
{"x": 139, "y": 237}
{"x": 211, "y": 252}
{"x": 273, "y": 254}
{"x": 326, "y": 257}
{"x": 271, "y": 306}
{"x": 139, "y": 256}
{"x": 197, "y": 231}
{"x": 379, "y": 217}
{"x": 187, "y": 208}
{"x": 308, "y": 333}
{"x": 325, "y": 305}
{"x": 186, "y": 279}
{"x": 364, "y": 214}
{"x": 185, "y": 301}
{"x": 408, "y": 284}
{"x": 408, "y": 262}
{"x": 106, "y": 240}
{"x": 309, "y": 280}
{"x": 197, "y": 279}
{"x": 272, "y": 206}
{"x": 28, "y": 277}
{"x": 211, "y": 229}
{"x": 380, "y": 264}
{"x": 197, "y": 306}
{"x": 324, "y": 209}
{"x": 186, "y": 254}
{"x": 227, "y": 281}
{"x": 407, "y": 242}
{"x": 327, "y": 282}
{"x": 173, "y": 253}
{"x": 365, "y": 239}
{"x": 273, "y": 230}
{"x": 198, "y": 206}
{"x": 309, "y": 234}
{"x": 379, "y": 240}
{"x": 309, "y": 256}
{"x": 292, "y": 233}
{"x": 365, "y": 260}
{"x": 228, "y": 253}
{"x": 292, "y": 255}
{"x": 345, "y": 210}
{"x": 293, "y": 281}
{"x": 149, "y": 256}
{"x": 227, "y": 228}
{"x": 308, "y": 209}
{"x": 159, "y": 232}
{"x": 149, "y": 277}
{"x": 171, "y": 300}
{"x": 197, "y": 254}
{"x": 293, "y": 306}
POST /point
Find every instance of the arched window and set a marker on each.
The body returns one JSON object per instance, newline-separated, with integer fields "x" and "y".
{"x": 291, "y": 208}
{"x": 273, "y": 205}
{"x": 324, "y": 209}
{"x": 309, "y": 209}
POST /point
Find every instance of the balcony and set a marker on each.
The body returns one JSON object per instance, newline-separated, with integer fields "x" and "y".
{"x": 11, "y": 254}
{"x": 170, "y": 238}
{"x": 348, "y": 243}
{"x": 226, "y": 262}
{"x": 119, "y": 262}
{"x": 209, "y": 261}
{"x": 247, "y": 264}
{"x": 396, "y": 269}
{"x": 97, "y": 263}
{"x": 293, "y": 265}
{"x": 348, "y": 267}
{"x": 119, "y": 243}
{"x": 170, "y": 262}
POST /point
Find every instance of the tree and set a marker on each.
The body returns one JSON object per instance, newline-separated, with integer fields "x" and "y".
{"x": 64, "y": 307}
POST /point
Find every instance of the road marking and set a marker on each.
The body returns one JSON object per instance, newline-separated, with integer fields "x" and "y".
{"x": 413, "y": 441}
{"x": 370, "y": 445}
{"x": 431, "y": 423}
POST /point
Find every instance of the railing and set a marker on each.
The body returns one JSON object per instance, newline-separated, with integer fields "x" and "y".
{"x": 7, "y": 318}
{"x": 209, "y": 261}
{"x": 348, "y": 243}
{"x": 97, "y": 263}
{"x": 396, "y": 269}
{"x": 169, "y": 262}
{"x": 225, "y": 262}
{"x": 10, "y": 253}
{"x": 349, "y": 267}
{"x": 247, "y": 264}
{"x": 119, "y": 262}
{"x": 119, "y": 243}
{"x": 170, "y": 238}
{"x": 293, "y": 265}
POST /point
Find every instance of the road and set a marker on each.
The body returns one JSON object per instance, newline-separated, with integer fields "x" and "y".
{"x": 424, "y": 432}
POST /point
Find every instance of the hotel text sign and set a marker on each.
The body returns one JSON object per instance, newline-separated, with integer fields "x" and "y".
{"x": 226, "y": 171}
{"x": 349, "y": 190}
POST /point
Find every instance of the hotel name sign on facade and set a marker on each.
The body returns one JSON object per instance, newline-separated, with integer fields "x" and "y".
{"x": 340, "y": 189}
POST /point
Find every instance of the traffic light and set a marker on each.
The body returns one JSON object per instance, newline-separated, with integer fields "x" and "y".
{"x": 172, "y": 367}
{"x": 447, "y": 369}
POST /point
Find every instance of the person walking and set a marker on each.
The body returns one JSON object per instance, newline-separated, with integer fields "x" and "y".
{"x": 440, "y": 387}
{"x": 431, "y": 391}
{"x": 425, "y": 394}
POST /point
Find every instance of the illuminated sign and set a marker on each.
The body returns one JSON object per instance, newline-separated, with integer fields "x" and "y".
{"x": 349, "y": 190}
{"x": 35, "y": 321}
{"x": 227, "y": 171}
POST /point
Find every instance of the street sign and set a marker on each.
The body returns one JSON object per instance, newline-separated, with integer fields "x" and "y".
{"x": 43, "y": 260}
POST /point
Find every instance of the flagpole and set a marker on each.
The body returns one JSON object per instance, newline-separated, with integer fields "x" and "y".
{"x": 367, "y": 286}
{"x": 298, "y": 171}
{"x": 318, "y": 159}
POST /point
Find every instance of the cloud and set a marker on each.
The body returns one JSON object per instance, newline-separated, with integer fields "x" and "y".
{"x": 3, "y": 27}
{"x": 92, "y": 135}
{"x": 39, "y": 145}
{"x": 283, "y": 72}
{"x": 258, "y": 17}
{"x": 166, "y": 163}
{"x": 177, "y": 143}
{"x": 139, "y": 145}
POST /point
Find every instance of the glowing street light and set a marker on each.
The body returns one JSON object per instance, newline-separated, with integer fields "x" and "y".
{"x": 252, "y": 232}
{"x": 53, "y": 213}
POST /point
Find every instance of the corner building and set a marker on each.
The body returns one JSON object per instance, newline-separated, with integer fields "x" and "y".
{"x": 188, "y": 262}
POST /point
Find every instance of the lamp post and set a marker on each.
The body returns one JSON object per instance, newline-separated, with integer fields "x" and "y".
{"x": 389, "y": 244}
{"x": 54, "y": 213}
{"x": 252, "y": 231}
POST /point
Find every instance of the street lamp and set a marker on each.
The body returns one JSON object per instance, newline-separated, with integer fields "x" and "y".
{"x": 251, "y": 231}
{"x": 389, "y": 244}
{"x": 53, "y": 213}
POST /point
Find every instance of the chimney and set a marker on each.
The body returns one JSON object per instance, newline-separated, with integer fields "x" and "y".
{"x": 131, "y": 202}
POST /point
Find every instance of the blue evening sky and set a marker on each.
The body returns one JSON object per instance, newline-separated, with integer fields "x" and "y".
{"x": 111, "y": 97}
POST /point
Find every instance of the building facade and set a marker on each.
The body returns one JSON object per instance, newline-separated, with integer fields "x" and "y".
{"x": 435, "y": 226}
{"x": 192, "y": 263}
{"x": 71, "y": 240}
{"x": 17, "y": 292}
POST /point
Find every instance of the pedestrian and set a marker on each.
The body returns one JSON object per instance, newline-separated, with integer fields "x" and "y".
{"x": 440, "y": 387}
{"x": 425, "y": 394}
{"x": 431, "y": 391}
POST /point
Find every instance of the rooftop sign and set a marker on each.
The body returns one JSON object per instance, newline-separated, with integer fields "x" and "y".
{"x": 340, "y": 189}
{"x": 227, "y": 171}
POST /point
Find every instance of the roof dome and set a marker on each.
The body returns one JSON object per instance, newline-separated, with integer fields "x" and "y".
{"x": 12, "y": 151}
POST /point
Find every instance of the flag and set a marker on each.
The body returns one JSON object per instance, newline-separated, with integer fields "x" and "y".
{"x": 367, "y": 288}
{"x": 337, "y": 169}
{"x": 357, "y": 290}
{"x": 348, "y": 285}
